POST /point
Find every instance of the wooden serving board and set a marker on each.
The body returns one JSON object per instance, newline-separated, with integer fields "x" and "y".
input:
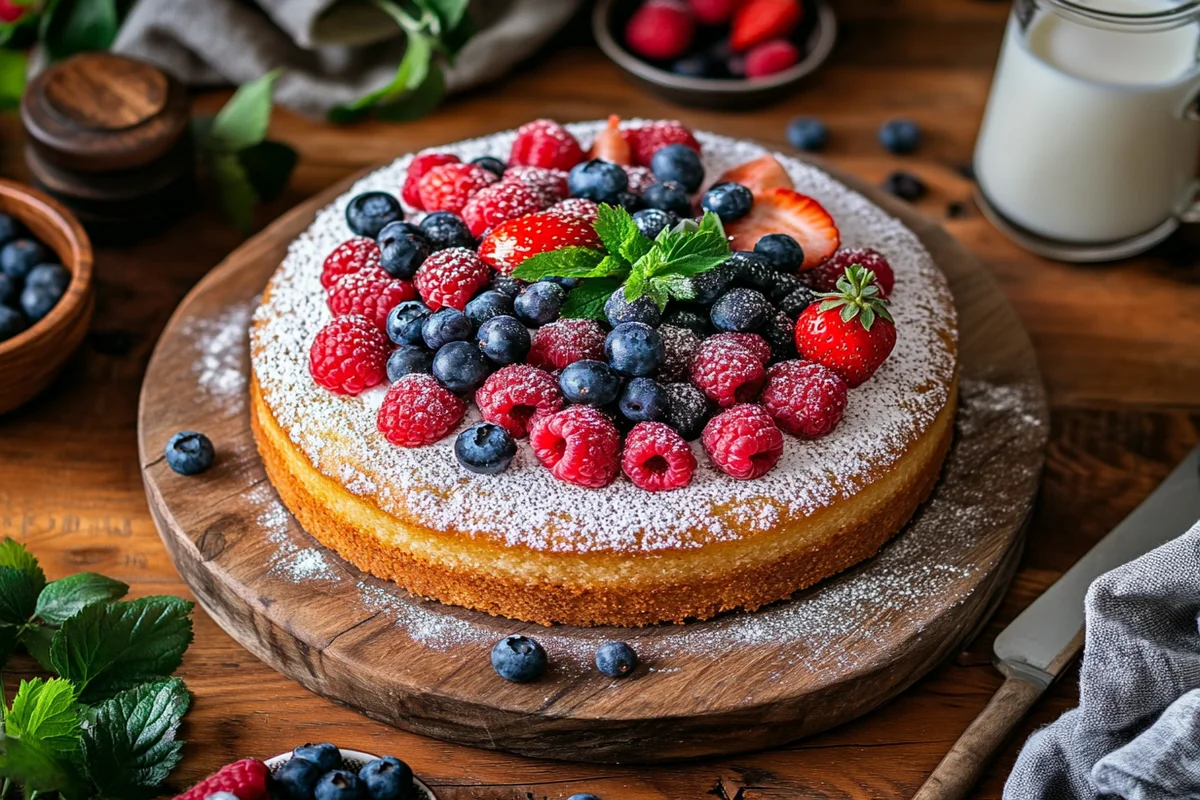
{"x": 736, "y": 683}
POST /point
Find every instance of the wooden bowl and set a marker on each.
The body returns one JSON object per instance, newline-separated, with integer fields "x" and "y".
{"x": 32, "y": 359}
{"x": 610, "y": 16}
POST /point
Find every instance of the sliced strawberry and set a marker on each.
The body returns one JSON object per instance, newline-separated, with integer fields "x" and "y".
{"x": 761, "y": 20}
{"x": 612, "y": 144}
{"x": 782, "y": 210}
{"x": 510, "y": 243}
{"x": 764, "y": 172}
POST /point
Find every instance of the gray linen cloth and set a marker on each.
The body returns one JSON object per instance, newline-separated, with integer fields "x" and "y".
{"x": 332, "y": 51}
{"x": 1136, "y": 733}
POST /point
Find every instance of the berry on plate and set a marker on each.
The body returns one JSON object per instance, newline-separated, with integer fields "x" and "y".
{"x": 445, "y": 230}
{"x": 804, "y": 398}
{"x": 518, "y": 659}
{"x": 825, "y": 277}
{"x": 485, "y": 448}
{"x": 770, "y": 58}
{"x": 728, "y": 372}
{"x": 634, "y": 349}
{"x": 189, "y": 453}
{"x": 579, "y": 445}
{"x": 510, "y": 243}
{"x": 545, "y": 143}
{"x": 643, "y": 400}
{"x": 512, "y": 396}
{"x": 807, "y": 133}
{"x": 324, "y": 754}
{"x": 402, "y": 248}
{"x": 850, "y": 331}
{"x": 498, "y": 203}
{"x": 417, "y": 168}
{"x": 729, "y": 201}
{"x": 451, "y": 278}
{"x": 548, "y": 185}
{"x": 338, "y": 784}
{"x": 372, "y": 295}
{"x": 759, "y": 21}
{"x": 539, "y": 303}
{"x": 295, "y": 780}
{"x": 247, "y": 779}
{"x": 503, "y": 339}
{"x": 367, "y": 213}
{"x": 743, "y": 442}
{"x": 660, "y": 29}
{"x": 597, "y": 180}
{"x": 679, "y": 163}
{"x": 612, "y": 144}
{"x": 616, "y": 659}
{"x": 648, "y": 139}
{"x": 408, "y": 359}
{"x": 787, "y": 211}
{"x": 656, "y": 458}
{"x": 668, "y": 196}
{"x": 349, "y": 257}
{"x": 759, "y": 174}
{"x": 448, "y": 187}
{"x": 349, "y": 355}
{"x": 564, "y": 342}
{"x": 418, "y": 411}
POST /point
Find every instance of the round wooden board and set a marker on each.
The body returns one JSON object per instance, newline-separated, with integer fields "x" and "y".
{"x": 736, "y": 683}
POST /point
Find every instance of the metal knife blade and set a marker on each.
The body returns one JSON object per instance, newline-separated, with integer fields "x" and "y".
{"x": 1038, "y": 643}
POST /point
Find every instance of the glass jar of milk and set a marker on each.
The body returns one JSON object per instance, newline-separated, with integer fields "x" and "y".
{"x": 1090, "y": 140}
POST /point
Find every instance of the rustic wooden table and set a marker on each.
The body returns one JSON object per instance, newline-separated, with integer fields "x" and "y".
{"x": 1118, "y": 347}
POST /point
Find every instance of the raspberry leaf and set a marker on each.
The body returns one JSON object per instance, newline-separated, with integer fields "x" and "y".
{"x": 37, "y": 639}
{"x": 586, "y": 301}
{"x": 130, "y": 745}
{"x": 64, "y": 598}
{"x": 18, "y": 596}
{"x": 37, "y": 771}
{"x": 44, "y": 715}
{"x": 14, "y": 554}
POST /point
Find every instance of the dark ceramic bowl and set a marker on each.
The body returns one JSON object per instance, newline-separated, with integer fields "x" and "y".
{"x": 608, "y": 21}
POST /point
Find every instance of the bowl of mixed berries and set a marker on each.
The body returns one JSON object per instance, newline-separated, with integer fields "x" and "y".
{"x": 716, "y": 53}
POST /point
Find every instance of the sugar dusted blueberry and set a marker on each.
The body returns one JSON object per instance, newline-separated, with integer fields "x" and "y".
{"x": 634, "y": 349}
{"x": 403, "y": 248}
{"x": 404, "y": 322}
{"x": 504, "y": 340}
{"x": 369, "y": 212}
{"x": 519, "y": 659}
{"x": 444, "y": 326}
{"x": 539, "y": 303}
{"x": 678, "y": 163}
{"x": 485, "y": 448}
{"x": 782, "y": 251}
{"x": 488, "y": 304}
{"x": 740, "y": 310}
{"x": 668, "y": 196}
{"x": 407, "y": 359}
{"x": 598, "y": 181}
{"x": 643, "y": 400}
{"x": 616, "y": 659}
{"x": 444, "y": 230}
{"x": 651, "y": 221}
{"x": 619, "y": 310}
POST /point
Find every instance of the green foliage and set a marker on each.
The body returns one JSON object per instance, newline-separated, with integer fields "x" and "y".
{"x": 130, "y": 746}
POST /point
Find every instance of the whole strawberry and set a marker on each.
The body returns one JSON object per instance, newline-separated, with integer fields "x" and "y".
{"x": 850, "y": 330}
{"x": 247, "y": 779}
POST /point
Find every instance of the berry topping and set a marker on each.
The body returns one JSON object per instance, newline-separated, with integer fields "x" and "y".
{"x": 589, "y": 382}
{"x": 491, "y": 164}
{"x": 900, "y": 136}
{"x": 634, "y": 349}
{"x": 728, "y": 373}
{"x": 417, "y": 168}
{"x": 518, "y": 659}
{"x": 729, "y": 201}
{"x": 758, "y": 21}
{"x": 678, "y": 163}
{"x": 688, "y": 409}
{"x": 804, "y": 398}
{"x": 596, "y": 180}
{"x": 402, "y": 248}
{"x": 564, "y": 342}
{"x": 770, "y": 58}
{"x": 796, "y": 301}
{"x": 189, "y": 453}
{"x": 448, "y": 187}
{"x": 694, "y": 321}
{"x": 349, "y": 257}
{"x": 510, "y": 243}
{"x": 619, "y": 310}
{"x": 503, "y": 339}
{"x": 825, "y": 277}
{"x": 247, "y": 779}
{"x": 460, "y": 366}
{"x": 640, "y": 179}
{"x": 369, "y": 294}
{"x": 539, "y": 303}
{"x": 295, "y": 780}
{"x": 643, "y": 400}
{"x": 743, "y": 442}
{"x": 444, "y": 230}
{"x": 751, "y": 341}
{"x": 740, "y": 310}
{"x": 444, "y": 326}
{"x": 488, "y": 304}
{"x": 349, "y": 355}
{"x": 367, "y": 213}
{"x": 616, "y": 660}
{"x": 512, "y": 396}
{"x": 660, "y": 29}
{"x": 651, "y": 221}
{"x": 612, "y": 144}
{"x": 485, "y": 448}
{"x": 407, "y": 359}
{"x": 780, "y": 333}
{"x": 786, "y": 211}
{"x": 451, "y": 278}
{"x": 668, "y": 196}
{"x": 324, "y": 754}
{"x": 404, "y": 322}
{"x": 578, "y": 445}
{"x": 545, "y": 143}
{"x": 585, "y": 210}
{"x": 656, "y": 458}
{"x": 680, "y": 346}
{"x": 418, "y": 411}
{"x": 759, "y": 175}
{"x": 850, "y": 330}
{"x": 548, "y": 185}
{"x": 648, "y": 139}
{"x": 781, "y": 251}
{"x": 498, "y": 203}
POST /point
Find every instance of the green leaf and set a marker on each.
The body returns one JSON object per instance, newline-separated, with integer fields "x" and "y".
{"x": 8, "y": 643}
{"x": 567, "y": 262}
{"x": 18, "y": 596}
{"x": 13, "y": 66}
{"x": 62, "y": 599}
{"x": 268, "y": 166}
{"x": 14, "y": 554}
{"x": 587, "y": 300}
{"x": 107, "y": 648}
{"x": 656, "y": 292}
{"x": 37, "y": 640}
{"x": 243, "y": 121}
{"x": 677, "y": 287}
{"x": 44, "y": 715}
{"x": 620, "y": 234}
{"x": 78, "y": 26}
{"x": 454, "y": 40}
{"x": 450, "y": 12}
{"x": 36, "y": 770}
{"x": 410, "y": 74}
{"x": 234, "y": 189}
{"x": 635, "y": 284}
{"x": 419, "y": 102}
{"x": 131, "y": 746}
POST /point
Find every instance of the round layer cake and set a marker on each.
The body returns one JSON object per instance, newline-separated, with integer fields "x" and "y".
{"x": 526, "y": 545}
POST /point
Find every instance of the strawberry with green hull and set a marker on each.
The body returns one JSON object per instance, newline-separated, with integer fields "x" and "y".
{"x": 850, "y": 331}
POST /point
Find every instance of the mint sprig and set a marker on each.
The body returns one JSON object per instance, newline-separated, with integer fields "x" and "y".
{"x": 660, "y": 269}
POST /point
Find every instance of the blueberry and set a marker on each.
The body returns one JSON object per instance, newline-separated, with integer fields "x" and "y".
{"x": 905, "y": 185}
{"x": 295, "y": 780}
{"x": 616, "y": 659}
{"x": 699, "y": 65}
{"x": 566, "y": 283}
{"x": 784, "y": 252}
{"x": 688, "y": 409}
{"x": 597, "y": 180}
{"x": 388, "y": 778}
{"x": 900, "y": 136}
{"x": 491, "y": 164}
{"x": 634, "y": 349}
{"x": 682, "y": 317}
{"x": 740, "y": 310}
{"x": 678, "y": 163}
{"x": 445, "y": 230}
{"x": 338, "y": 784}
{"x": 643, "y": 400}
{"x": 630, "y": 202}
{"x": 668, "y": 196}
{"x": 189, "y": 453}
{"x": 583, "y": 796}
{"x": 539, "y": 303}
{"x": 9, "y": 289}
{"x": 619, "y": 310}
{"x": 518, "y": 659}
{"x": 367, "y": 213}
{"x": 460, "y": 366}
{"x": 782, "y": 286}
{"x": 795, "y": 303}
{"x": 404, "y": 322}
{"x": 485, "y": 448}
{"x": 49, "y": 275}
{"x": 444, "y": 326}
{"x": 20, "y": 256}
{"x": 324, "y": 754}
{"x": 780, "y": 332}
{"x": 9, "y": 229}
{"x": 753, "y": 270}
{"x": 589, "y": 382}
{"x": 488, "y": 304}
{"x": 807, "y": 133}
{"x": 37, "y": 301}
{"x": 504, "y": 340}
{"x": 407, "y": 359}
{"x": 708, "y": 286}
{"x": 729, "y": 201}
{"x": 651, "y": 221}
{"x": 12, "y": 322}
{"x": 506, "y": 284}
{"x": 402, "y": 248}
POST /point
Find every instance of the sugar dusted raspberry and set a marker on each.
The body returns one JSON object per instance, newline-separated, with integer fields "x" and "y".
{"x": 545, "y": 143}
{"x": 648, "y": 139}
{"x": 680, "y": 346}
{"x": 579, "y": 207}
{"x": 371, "y": 294}
{"x": 805, "y": 398}
{"x": 418, "y": 410}
{"x": 640, "y": 179}
{"x": 656, "y": 458}
{"x": 549, "y": 185}
{"x": 578, "y": 445}
{"x": 743, "y": 442}
{"x": 728, "y": 372}
{"x": 498, "y": 203}
{"x": 512, "y": 396}
{"x": 410, "y": 193}
{"x": 247, "y": 779}
{"x": 751, "y": 341}
{"x": 566, "y": 341}
{"x": 349, "y": 355}
{"x": 448, "y": 187}
{"x": 349, "y": 257}
{"x": 824, "y": 276}
{"x": 451, "y": 277}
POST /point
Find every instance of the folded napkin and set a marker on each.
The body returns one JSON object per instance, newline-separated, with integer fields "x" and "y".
{"x": 332, "y": 51}
{"x": 1136, "y": 733}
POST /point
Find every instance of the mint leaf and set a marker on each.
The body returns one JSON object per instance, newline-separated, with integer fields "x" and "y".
{"x": 130, "y": 746}
{"x": 107, "y": 648}
{"x": 635, "y": 284}
{"x": 62, "y": 599}
{"x": 568, "y": 262}
{"x": 620, "y": 234}
{"x": 37, "y": 640}
{"x": 243, "y": 121}
{"x": 78, "y": 26}
{"x": 44, "y": 715}
{"x": 18, "y": 596}
{"x": 587, "y": 300}
{"x": 677, "y": 287}
{"x": 14, "y": 554}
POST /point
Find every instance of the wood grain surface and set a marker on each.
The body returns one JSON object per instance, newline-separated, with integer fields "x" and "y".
{"x": 1123, "y": 385}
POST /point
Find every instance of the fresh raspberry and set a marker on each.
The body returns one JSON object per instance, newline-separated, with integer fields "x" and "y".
{"x": 410, "y": 193}
{"x": 770, "y": 58}
{"x": 498, "y": 203}
{"x": 680, "y": 346}
{"x": 728, "y": 373}
{"x": 545, "y": 143}
{"x": 657, "y": 458}
{"x": 713, "y": 12}
{"x": 578, "y": 207}
{"x": 451, "y": 277}
{"x": 349, "y": 355}
{"x": 448, "y": 187}
{"x": 578, "y": 445}
{"x": 743, "y": 442}
{"x": 548, "y": 185}
{"x": 640, "y": 179}
{"x": 349, "y": 257}
{"x": 824, "y": 277}
{"x": 246, "y": 778}
{"x": 418, "y": 410}
{"x": 566, "y": 341}
{"x": 660, "y": 30}
{"x": 751, "y": 341}
{"x": 649, "y": 138}
{"x": 512, "y": 396}
{"x": 804, "y": 398}
{"x": 370, "y": 294}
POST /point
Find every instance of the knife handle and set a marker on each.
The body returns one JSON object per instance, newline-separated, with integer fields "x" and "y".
{"x": 959, "y": 771}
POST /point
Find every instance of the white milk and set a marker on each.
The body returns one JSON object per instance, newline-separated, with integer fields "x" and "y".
{"x": 1084, "y": 138}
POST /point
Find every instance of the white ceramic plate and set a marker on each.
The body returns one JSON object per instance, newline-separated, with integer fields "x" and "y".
{"x": 352, "y": 760}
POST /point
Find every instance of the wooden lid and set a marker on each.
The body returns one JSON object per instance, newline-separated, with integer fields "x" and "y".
{"x": 99, "y": 112}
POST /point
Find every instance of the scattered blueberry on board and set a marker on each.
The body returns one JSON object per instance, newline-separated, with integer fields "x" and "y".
{"x": 583, "y": 796}
{"x": 807, "y": 133}
{"x": 616, "y": 659}
{"x": 31, "y": 280}
{"x": 518, "y": 659}
{"x": 189, "y": 453}
{"x": 900, "y": 136}
{"x": 905, "y": 185}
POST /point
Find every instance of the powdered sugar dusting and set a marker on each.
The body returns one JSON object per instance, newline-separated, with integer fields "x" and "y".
{"x": 220, "y": 349}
